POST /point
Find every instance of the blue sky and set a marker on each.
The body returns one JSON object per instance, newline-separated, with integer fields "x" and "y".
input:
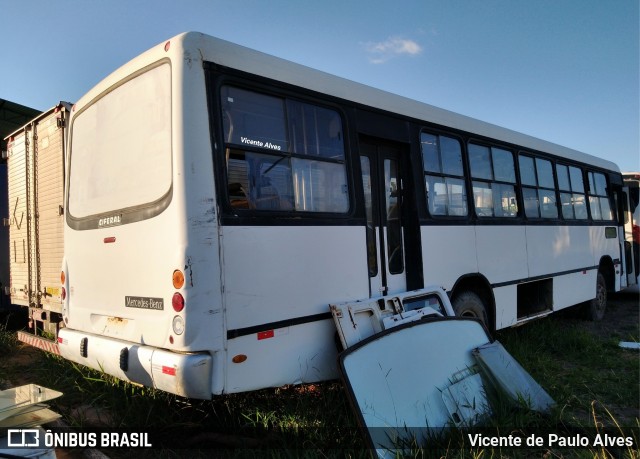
{"x": 566, "y": 71}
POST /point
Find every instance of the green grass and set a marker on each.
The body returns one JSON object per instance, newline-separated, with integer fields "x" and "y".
{"x": 297, "y": 420}
{"x": 577, "y": 367}
{"x": 595, "y": 385}
{"x": 8, "y": 341}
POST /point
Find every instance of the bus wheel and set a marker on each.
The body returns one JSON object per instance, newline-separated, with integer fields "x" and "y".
{"x": 469, "y": 304}
{"x": 596, "y": 308}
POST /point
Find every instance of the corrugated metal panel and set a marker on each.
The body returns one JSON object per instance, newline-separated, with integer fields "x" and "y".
{"x": 36, "y": 188}
{"x": 19, "y": 275}
{"x": 49, "y": 180}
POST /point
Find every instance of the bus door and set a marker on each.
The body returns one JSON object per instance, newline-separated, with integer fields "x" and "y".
{"x": 631, "y": 231}
{"x": 383, "y": 185}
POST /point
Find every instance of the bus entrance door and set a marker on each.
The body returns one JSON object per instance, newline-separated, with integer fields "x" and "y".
{"x": 382, "y": 183}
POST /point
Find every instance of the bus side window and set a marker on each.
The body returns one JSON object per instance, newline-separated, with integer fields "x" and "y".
{"x": 270, "y": 182}
{"x": 494, "y": 177}
{"x": 253, "y": 119}
{"x": 257, "y": 181}
{"x": 444, "y": 175}
{"x": 572, "y": 194}
{"x": 538, "y": 187}
{"x": 599, "y": 202}
{"x": 287, "y": 155}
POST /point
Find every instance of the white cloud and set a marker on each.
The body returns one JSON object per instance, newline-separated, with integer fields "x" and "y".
{"x": 380, "y": 52}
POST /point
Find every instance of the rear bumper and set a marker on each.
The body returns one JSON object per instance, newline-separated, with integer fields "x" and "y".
{"x": 184, "y": 374}
{"x": 39, "y": 342}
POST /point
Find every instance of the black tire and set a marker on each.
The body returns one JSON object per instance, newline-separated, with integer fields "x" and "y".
{"x": 469, "y": 304}
{"x": 596, "y": 308}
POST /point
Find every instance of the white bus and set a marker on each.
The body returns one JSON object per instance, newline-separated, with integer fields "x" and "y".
{"x": 219, "y": 199}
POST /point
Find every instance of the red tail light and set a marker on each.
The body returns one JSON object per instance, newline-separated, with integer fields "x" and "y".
{"x": 177, "y": 302}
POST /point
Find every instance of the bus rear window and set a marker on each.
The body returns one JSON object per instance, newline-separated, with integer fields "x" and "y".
{"x": 121, "y": 148}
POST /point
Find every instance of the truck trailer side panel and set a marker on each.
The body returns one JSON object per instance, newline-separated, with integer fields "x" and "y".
{"x": 35, "y": 197}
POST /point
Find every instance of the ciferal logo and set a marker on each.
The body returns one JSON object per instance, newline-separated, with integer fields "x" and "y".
{"x": 110, "y": 221}
{"x": 23, "y": 438}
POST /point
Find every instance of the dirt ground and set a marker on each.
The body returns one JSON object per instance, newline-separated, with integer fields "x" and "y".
{"x": 622, "y": 317}
{"x": 621, "y": 323}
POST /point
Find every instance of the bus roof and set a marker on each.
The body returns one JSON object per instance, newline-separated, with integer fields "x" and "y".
{"x": 195, "y": 46}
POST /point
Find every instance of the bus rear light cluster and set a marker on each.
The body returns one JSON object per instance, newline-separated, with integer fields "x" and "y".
{"x": 63, "y": 293}
{"x": 177, "y": 302}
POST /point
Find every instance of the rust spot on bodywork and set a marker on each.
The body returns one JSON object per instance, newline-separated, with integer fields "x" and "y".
{"x": 117, "y": 321}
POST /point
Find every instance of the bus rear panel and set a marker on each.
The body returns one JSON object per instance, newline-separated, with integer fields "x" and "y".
{"x": 140, "y": 273}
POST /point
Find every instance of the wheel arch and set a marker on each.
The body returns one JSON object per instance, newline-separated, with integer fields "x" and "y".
{"x": 479, "y": 285}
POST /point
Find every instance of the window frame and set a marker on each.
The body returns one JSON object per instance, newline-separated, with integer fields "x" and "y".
{"x": 572, "y": 192}
{"x": 525, "y": 188}
{"x": 286, "y": 154}
{"x": 449, "y": 180}
{"x": 492, "y": 182}
{"x": 594, "y": 195}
